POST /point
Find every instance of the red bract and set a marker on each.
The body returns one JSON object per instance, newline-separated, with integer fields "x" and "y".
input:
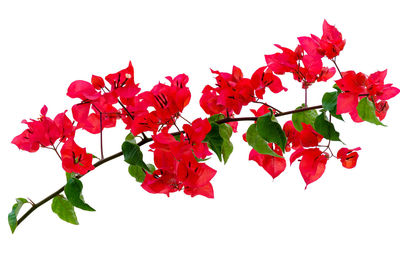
{"x": 177, "y": 167}
{"x": 232, "y": 93}
{"x": 123, "y": 83}
{"x": 273, "y": 165}
{"x": 356, "y": 86}
{"x": 331, "y": 41}
{"x": 75, "y": 159}
{"x": 293, "y": 136}
{"x": 97, "y": 82}
{"x": 262, "y": 78}
{"x": 102, "y": 105}
{"x": 312, "y": 164}
{"x": 83, "y": 90}
{"x": 348, "y": 157}
{"x": 195, "y": 134}
{"x": 309, "y": 137}
{"x": 44, "y": 132}
{"x": 280, "y": 63}
{"x": 168, "y": 100}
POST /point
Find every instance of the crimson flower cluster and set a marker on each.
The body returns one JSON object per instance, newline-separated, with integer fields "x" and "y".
{"x": 180, "y": 155}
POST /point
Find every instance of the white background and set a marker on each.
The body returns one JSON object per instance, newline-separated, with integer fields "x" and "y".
{"x": 348, "y": 216}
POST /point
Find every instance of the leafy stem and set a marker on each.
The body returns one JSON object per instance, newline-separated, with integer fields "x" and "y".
{"x": 144, "y": 141}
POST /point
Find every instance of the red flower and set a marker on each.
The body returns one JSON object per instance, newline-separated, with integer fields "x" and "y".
{"x": 273, "y": 165}
{"x": 195, "y": 134}
{"x": 331, "y": 41}
{"x": 352, "y": 85}
{"x": 293, "y": 136}
{"x": 123, "y": 82}
{"x": 177, "y": 167}
{"x": 309, "y": 137}
{"x": 44, "y": 131}
{"x": 75, "y": 159}
{"x": 312, "y": 164}
{"x": 348, "y": 157}
{"x": 261, "y": 79}
{"x": 231, "y": 94}
{"x": 281, "y": 63}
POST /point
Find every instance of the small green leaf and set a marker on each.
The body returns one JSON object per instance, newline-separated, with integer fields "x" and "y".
{"x": 258, "y": 143}
{"x": 215, "y": 118}
{"x": 366, "y": 111}
{"x": 12, "y": 216}
{"x": 218, "y": 140}
{"x": 64, "y": 209}
{"x": 137, "y": 172}
{"x": 151, "y": 167}
{"x": 130, "y": 138}
{"x": 73, "y": 191}
{"x": 306, "y": 117}
{"x": 270, "y": 130}
{"x": 214, "y": 140}
{"x": 326, "y": 128}
{"x": 133, "y": 155}
{"x": 329, "y": 102}
{"x": 225, "y": 132}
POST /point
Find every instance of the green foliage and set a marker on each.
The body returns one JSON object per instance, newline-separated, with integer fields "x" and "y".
{"x": 326, "y": 128}
{"x": 12, "y": 216}
{"x": 137, "y": 172}
{"x": 306, "y": 117}
{"x": 329, "y": 103}
{"x": 218, "y": 140}
{"x": 366, "y": 111}
{"x": 258, "y": 143}
{"x": 270, "y": 130}
{"x": 64, "y": 209}
{"x": 73, "y": 191}
{"x": 130, "y": 138}
{"x": 133, "y": 155}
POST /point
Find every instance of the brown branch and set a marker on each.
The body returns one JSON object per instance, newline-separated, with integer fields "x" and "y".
{"x": 143, "y": 142}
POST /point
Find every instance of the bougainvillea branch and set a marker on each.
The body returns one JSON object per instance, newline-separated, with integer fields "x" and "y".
{"x": 180, "y": 157}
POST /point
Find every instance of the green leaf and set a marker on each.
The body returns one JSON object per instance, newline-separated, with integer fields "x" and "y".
{"x": 137, "y": 172}
{"x": 151, "y": 167}
{"x": 214, "y": 140}
{"x": 366, "y": 111}
{"x": 306, "y": 117}
{"x": 73, "y": 191}
{"x": 215, "y": 118}
{"x": 225, "y": 132}
{"x": 258, "y": 143}
{"x": 130, "y": 138}
{"x": 218, "y": 140}
{"x": 329, "y": 102}
{"x": 270, "y": 130}
{"x": 326, "y": 128}
{"x": 12, "y": 216}
{"x": 177, "y": 137}
{"x": 133, "y": 155}
{"x": 64, "y": 209}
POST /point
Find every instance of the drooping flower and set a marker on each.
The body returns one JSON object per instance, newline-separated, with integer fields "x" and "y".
{"x": 348, "y": 157}
{"x": 312, "y": 164}
{"x": 273, "y": 165}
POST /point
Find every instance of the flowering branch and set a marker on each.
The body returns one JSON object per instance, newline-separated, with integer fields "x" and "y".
{"x": 180, "y": 157}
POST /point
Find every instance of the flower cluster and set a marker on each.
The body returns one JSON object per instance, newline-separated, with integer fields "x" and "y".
{"x": 178, "y": 163}
{"x": 179, "y": 156}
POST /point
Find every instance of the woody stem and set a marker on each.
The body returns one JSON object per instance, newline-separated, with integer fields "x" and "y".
{"x": 143, "y": 142}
